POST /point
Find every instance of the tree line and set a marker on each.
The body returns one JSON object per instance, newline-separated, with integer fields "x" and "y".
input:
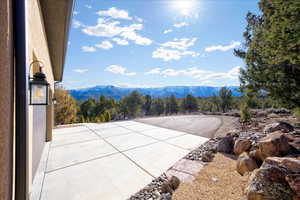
{"x": 68, "y": 110}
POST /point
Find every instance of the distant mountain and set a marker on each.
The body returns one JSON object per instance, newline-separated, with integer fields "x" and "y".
{"x": 119, "y": 92}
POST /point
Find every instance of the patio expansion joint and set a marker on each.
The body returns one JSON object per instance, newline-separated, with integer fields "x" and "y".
{"x": 164, "y": 140}
{"x": 123, "y": 154}
{"x": 82, "y": 162}
{"x": 62, "y": 145}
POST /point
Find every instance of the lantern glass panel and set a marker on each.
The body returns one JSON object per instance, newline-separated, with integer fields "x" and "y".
{"x": 39, "y": 94}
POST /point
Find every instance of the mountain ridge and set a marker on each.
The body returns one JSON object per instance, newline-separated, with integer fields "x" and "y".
{"x": 117, "y": 93}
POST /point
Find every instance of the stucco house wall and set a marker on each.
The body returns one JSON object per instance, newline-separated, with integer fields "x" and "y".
{"x": 38, "y": 50}
{"x": 6, "y": 101}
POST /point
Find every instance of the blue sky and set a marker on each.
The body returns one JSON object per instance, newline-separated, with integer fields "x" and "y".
{"x": 155, "y": 43}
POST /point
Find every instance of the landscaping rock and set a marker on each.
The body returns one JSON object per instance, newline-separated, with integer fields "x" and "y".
{"x": 278, "y": 126}
{"x": 174, "y": 182}
{"x": 241, "y": 145}
{"x": 245, "y": 164}
{"x": 207, "y": 156}
{"x": 275, "y": 144}
{"x": 295, "y": 143}
{"x": 225, "y": 144}
{"x": 290, "y": 164}
{"x": 268, "y": 183}
{"x": 294, "y": 182}
{"x": 198, "y": 153}
{"x": 256, "y": 155}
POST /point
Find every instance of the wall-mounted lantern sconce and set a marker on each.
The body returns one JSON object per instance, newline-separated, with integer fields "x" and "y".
{"x": 38, "y": 87}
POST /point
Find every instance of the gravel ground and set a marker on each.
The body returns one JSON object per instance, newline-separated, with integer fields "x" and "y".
{"x": 217, "y": 180}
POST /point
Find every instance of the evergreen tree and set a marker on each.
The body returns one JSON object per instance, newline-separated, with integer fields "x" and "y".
{"x": 133, "y": 103}
{"x": 158, "y": 106}
{"x": 225, "y": 99}
{"x": 88, "y": 108}
{"x": 173, "y": 104}
{"x": 107, "y": 117}
{"x": 190, "y": 104}
{"x": 272, "y": 51}
{"x": 147, "y": 105}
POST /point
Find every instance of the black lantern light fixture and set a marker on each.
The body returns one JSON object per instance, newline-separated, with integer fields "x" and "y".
{"x": 38, "y": 87}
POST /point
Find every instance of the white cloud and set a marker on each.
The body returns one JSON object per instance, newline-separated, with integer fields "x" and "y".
{"x": 153, "y": 71}
{"x": 106, "y": 28}
{"x": 179, "y": 25}
{"x": 88, "y": 6}
{"x": 88, "y": 49}
{"x": 170, "y": 54}
{"x": 168, "y": 31}
{"x": 75, "y": 12}
{"x": 116, "y": 69}
{"x": 232, "y": 45}
{"x": 121, "y": 42}
{"x": 139, "y": 19}
{"x": 76, "y": 23}
{"x": 105, "y": 45}
{"x": 115, "y": 13}
{"x": 202, "y": 75}
{"x": 181, "y": 44}
{"x": 80, "y": 70}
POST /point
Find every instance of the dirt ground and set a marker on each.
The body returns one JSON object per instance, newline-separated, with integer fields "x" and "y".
{"x": 217, "y": 180}
{"x": 228, "y": 124}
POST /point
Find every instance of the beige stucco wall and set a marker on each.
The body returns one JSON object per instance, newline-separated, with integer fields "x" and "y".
{"x": 37, "y": 49}
{"x": 6, "y": 101}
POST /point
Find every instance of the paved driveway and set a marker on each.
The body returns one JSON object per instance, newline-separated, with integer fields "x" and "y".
{"x": 201, "y": 125}
{"x": 108, "y": 161}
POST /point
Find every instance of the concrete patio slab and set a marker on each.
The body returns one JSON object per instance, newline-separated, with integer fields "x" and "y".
{"x": 126, "y": 123}
{"x": 76, "y": 129}
{"x": 66, "y": 155}
{"x": 101, "y": 125}
{"x": 111, "y": 160}
{"x": 64, "y": 139}
{"x": 141, "y": 127}
{"x": 109, "y": 178}
{"x": 187, "y": 141}
{"x": 110, "y": 132}
{"x": 156, "y": 158}
{"x": 161, "y": 133}
{"x": 129, "y": 141}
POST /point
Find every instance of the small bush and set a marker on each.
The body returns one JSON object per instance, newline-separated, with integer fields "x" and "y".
{"x": 245, "y": 113}
{"x": 102, "y": 118}
{"x": 107, "y": 117}
{"x": 296, "y": 112}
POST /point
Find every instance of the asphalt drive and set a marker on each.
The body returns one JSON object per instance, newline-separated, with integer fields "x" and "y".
{"x": 200, "y": 125}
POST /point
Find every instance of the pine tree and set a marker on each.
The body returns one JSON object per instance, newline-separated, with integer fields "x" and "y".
{"x": 225, "y": 99}
{"x": 272, "y": 51}
{"x": 190, "y": 104}
{"x": 174, "y": 108}
{"x": 147, "y": 105}
{"x": 158, "y": 106}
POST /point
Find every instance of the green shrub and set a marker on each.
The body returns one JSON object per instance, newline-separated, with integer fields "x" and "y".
{"x": 245, "y": 113}
{"x": 107, "y": 116}
{"x": 296, "y": 112}
{"x": 102, "y": 118}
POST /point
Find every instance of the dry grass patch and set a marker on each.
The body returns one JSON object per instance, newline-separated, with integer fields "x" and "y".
{"x": 218, "y": 180}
